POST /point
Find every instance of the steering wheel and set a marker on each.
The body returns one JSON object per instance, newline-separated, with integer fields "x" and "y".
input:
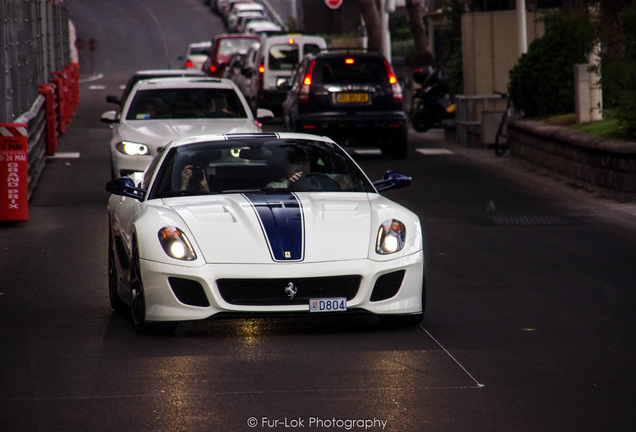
{"x": 315, "y": 182}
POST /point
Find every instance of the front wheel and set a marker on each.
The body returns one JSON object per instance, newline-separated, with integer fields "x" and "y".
{"x": 113, "y": 279}
{"x": 422, "y": 120}
{"x": 138, "y": 302}
{"x": 396, "y": 147}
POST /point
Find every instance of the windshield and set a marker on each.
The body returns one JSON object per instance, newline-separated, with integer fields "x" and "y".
{"x": 266, "y": 165}
{"x": 230, "y": 46}
{"x": 185, "y": 103}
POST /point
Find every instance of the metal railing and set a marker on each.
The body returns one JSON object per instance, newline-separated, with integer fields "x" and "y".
{"x": 34, "y": 51}
{"x": 469, "y": 114}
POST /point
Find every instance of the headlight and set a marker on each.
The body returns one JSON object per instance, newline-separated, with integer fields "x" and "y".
{"x": 132, "y": 149}
{"x": 391, "y": 237}
{"x": 176, "y": 244}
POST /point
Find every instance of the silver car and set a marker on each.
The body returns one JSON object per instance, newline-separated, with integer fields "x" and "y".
{"x": 161, "y": 110}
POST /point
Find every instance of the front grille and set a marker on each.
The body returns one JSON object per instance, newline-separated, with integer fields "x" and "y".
{"x": 189, "y": 292}
{"x": 387, "y": 286}
{"x": 274, "y": 292}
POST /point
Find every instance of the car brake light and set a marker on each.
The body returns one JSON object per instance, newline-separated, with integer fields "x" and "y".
{"x": 303, "y": 93}
{"x": 189, "y": 64}
{"x": 395, "y": 85}
{"x": 261, "y": 76}
{"x": 212, "y": 68}
{"x": 349, "y": 61}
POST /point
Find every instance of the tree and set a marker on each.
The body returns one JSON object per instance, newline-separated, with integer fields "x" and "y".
{"x": 415, "y": 9}
{"x": 372, "y": 12}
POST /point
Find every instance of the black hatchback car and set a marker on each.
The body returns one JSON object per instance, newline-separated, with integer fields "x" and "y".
{"x": 351, "y": 96}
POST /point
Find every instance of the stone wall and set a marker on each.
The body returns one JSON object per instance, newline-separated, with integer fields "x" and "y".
{"x": 605, "y": 165}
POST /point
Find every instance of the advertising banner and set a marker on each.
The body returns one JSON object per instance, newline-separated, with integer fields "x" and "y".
{"x": 14, "y": 172}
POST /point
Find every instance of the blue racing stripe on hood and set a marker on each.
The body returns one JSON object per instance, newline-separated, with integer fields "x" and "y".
{"x": 281, "y": 218}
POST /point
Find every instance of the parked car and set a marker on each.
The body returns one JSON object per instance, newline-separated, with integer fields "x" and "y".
{"x": 163, "y": 109}
{"x": 263, "y": 29}
{"x": 224, "y": 46}
{"x": 196, "y": 55}
{"x": 209, "y": 231}
{"x": 241, "y": 9}
{"x": 272, "y": 64}
{"x": 351, "y": 96}
{"x": 225, "y": 7}
{"x": 148, "y": 74}
{"x": 243, "y": 20}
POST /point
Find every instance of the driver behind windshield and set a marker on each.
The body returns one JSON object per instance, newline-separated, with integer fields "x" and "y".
{"x": 297, "y": 164}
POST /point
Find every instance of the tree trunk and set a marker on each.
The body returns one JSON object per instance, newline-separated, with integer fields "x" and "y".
{"x": 371, "y": 16}
{"x": 414, "y": 9}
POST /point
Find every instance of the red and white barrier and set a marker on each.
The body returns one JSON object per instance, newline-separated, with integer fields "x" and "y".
{"x": 14, "y": 172}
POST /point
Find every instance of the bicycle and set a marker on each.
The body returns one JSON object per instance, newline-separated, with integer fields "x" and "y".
{"x": 501, "y": 138}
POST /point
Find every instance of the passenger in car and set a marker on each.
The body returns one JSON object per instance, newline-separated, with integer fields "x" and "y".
{"x": 194, "y": 178}
{"x": 297, "y": 164}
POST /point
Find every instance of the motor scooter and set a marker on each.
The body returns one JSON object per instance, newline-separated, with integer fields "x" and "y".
{"x": 431, "y": 102}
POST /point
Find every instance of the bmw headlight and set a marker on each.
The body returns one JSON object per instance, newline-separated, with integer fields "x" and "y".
{"x": 391, "y": 237}
{"x": 133, "y": 149}
{"x": 176, "y": 244}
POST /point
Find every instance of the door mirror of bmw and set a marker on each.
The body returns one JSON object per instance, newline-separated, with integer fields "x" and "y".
{"x": 125, "y": 186}
{"x": 392, "y": 180}
{"x": 110, "y": 117}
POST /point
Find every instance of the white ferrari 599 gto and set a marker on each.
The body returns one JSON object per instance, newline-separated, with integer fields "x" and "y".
{"x": 261, "y": 224}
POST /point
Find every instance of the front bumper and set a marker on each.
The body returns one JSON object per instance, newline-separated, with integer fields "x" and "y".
{"x": 163, "y": 301}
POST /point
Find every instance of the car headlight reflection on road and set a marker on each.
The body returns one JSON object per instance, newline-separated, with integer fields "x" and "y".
{"x": 391, "y": 237}
{"x": 176, "y": 244}
{"x": 133, "y": 149}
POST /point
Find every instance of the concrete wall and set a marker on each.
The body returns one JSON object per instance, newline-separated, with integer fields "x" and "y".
{"x": 489, "y": 48}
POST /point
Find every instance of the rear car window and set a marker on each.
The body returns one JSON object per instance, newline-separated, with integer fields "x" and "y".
{"x": 350, "y": 70}
{"x": 283, "y": 57}
{"x": 233, "y": 45}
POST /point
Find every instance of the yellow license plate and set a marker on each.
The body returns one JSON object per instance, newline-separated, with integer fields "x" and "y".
{"x": 352, "y": 97}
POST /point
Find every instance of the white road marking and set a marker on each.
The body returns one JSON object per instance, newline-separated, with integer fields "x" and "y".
{"x": 65, "y": 155}
{"x": 433, "y": 151}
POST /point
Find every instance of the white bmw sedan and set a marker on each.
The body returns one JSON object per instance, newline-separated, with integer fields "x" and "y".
{"x": 164, "y": 109}
{"x": 239, "y": 225}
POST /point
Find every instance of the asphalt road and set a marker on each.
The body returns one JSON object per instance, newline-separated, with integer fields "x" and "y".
{"x": 529, "y": 322}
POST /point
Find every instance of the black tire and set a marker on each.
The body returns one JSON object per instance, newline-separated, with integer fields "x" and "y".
{"x": 116, "y": 302}
{"x": 406, "y": 320}
{"x": 396, "y": 147}
{"x": 501, "y": 138}
{"x": 422, "y": 120}
{"x": 138, "y": 302}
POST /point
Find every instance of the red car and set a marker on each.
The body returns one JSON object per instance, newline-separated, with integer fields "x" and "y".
{"x": 224, "y": 46}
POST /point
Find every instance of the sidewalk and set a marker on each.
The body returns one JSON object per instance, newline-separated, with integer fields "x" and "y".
{"x": 549, "y": 182}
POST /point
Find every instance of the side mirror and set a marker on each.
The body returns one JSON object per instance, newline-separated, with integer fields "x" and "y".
{"x": 263, "y": 115}
{"x": 125, "y": 186}
{"x": 283, "y": 85}
{"x": 392, "y": 180}
{"x": 110, "y": 117}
